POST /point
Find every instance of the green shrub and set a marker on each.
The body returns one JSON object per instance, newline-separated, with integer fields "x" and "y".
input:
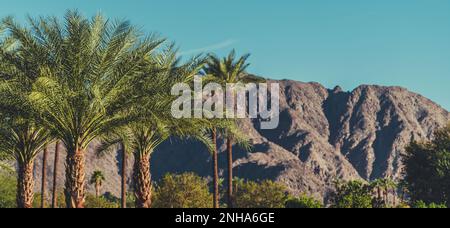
{"x": 182, "y": 191}
{"x": 353, "y": 194}
{"x": 267, "y": 194}
{"x": 100, "y": 202}
{"x": 423, "y": 205}
{"x": 37, "y": 200}
{"x": 92, "y": 201}
{"x": 427, "y": 169}
{"x": 131, "y": 200}
{"x": 8, "y": 186}
{"x": 303, "y": 202}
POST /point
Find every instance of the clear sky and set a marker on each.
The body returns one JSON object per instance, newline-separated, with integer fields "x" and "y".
{"x": 334, "y": 42}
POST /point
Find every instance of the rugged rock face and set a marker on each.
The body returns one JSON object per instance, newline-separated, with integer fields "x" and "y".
{"x": 323, "y": 135}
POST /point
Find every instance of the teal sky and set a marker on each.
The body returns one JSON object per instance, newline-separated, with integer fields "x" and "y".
{"x": 345, "y": 42}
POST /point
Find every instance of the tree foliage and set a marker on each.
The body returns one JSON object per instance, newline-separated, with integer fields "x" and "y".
{"x": 265, "y": 194}
{"x": 100, "y": 202}
{"x": 353, "y": 194}
{"x": 97, "y": 177}
{"x": 85, "y": 76}
{"x": 303, "y": 201}
{"x": 423, "y": 205}
{"x": 427, "y": 169}
{"x": 182, "y": 191}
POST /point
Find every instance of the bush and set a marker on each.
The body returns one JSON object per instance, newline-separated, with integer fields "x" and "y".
{"x": 183, "y": 191}
{"x": 100, "y": 202}
{"x": 303, "y": 202}
{"x": 403, "y": 205}
{"x": 8, "y": 186}
{"x": 353, "y": 194}
{"x": 131, "y": 200}
{"x": 423, "y": 205}
{"x": 266, "y": 194}
{"x": 91, "y": 201}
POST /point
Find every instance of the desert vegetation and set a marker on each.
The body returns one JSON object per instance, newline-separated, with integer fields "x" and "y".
{"x": 79, "y": 80}
{"x": 76, "y": 81}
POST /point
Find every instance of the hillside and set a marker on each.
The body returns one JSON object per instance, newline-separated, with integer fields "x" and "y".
{"x": 324, "y": 134}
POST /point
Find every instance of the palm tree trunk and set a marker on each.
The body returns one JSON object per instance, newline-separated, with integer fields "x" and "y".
{"x": 44, "y": 177}
{"x": 25, "y": 185}
{"x": 215, "y": 170}
{"x": 55, "y": 177}
{"x": 379, "y": 193}
{"x": 394, "y": 198}
{"x": 124, "y": 177}
{"x": 142, "y": 181}
{"x": 97, "y": 189}
{"x": 75, "y": 179}
{"x": 230, "y": 172}
{"x": 386, "y": 194}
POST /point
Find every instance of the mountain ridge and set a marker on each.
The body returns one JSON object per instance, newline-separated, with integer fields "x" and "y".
{"x": 324, "y": 135}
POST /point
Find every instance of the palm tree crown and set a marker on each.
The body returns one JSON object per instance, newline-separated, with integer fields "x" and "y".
{"x": 87, "y": 71}
{"x": 97, "y": 177}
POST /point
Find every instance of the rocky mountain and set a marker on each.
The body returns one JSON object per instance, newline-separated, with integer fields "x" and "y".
{"x": 323, "y": 135}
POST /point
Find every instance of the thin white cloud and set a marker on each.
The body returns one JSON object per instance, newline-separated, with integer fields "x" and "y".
{"x": 214, "y": 47}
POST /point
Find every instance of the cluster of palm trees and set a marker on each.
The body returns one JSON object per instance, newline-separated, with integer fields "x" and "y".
{"x": 383, "y": 189}
{"x": 81, "y": 80}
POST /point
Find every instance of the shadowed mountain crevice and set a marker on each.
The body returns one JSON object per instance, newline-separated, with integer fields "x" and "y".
{"x": 334, "y": 108}
{"x": 385, "y": 138}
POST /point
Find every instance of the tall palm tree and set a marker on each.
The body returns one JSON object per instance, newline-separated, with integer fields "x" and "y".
{"x": 97, "y": 179}
{"x": 123, "y": 176}
{"x": 88, "y": 72}
{"x": 144, "y": 137}
{"x": 224, "y": 71}
{"x": 21, "y": 138}
{"x": 157, "y": 123}
{"x": 215, "y": 166}
{"x": 390, "y": 186}
{"x": 44, "y": 177}
{"x": 55, "y": 176}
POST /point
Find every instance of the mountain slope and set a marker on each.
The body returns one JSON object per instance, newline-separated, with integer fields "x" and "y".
{"x": 323, "y": 135}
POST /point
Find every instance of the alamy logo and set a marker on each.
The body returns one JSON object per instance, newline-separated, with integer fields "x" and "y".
{"x": 235, "y": 101}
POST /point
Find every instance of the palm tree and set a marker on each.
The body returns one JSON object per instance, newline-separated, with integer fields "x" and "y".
{"x": 225, "y": 71}
{"x": 122, "y": 151}
{"x": 238, "y": 182}
{"x": 55, "y": 177}
{"x": 383, "y": 188}
{"x": 157, "y": 123}
{"x": 403, "y": 189}
{"x": 215, "y": 162}
{"x": 378, "y": 185}
{"x": 97, "y": 179}
{"x": 390, "y": 186}
{"x": 124, "y": 176}
{"x": 44, "y": 177}
{"x": 144, "y": 137}
{"x": 21, "y": 138}
{"x": 22, "y": 141}
{"x": 88, "y": 70}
